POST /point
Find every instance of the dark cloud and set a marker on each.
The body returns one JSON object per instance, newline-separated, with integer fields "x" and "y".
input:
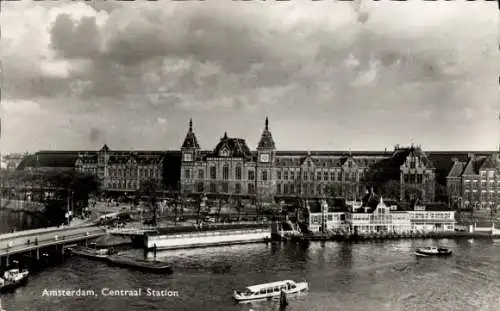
{"x": 75, "y": 40}
{"x": 342, "y": 65}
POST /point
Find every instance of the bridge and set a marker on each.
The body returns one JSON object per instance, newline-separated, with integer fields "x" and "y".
{"x": 132, "y": 231}
{"x": 27, "y": 241}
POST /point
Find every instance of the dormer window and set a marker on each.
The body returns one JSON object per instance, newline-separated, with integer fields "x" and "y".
{"x": 224, "y": 152}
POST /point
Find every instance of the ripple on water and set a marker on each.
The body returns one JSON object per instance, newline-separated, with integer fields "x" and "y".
{"x": 342, "y": 276}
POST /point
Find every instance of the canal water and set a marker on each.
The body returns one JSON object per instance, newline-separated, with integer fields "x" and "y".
{"x": 342, "y": 276}
{"x": 17, "y": 220}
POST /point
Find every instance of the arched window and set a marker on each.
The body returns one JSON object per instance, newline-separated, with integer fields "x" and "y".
{"x": 264, "y": 175}
{"x": 238, "y": 172}
{"x": 225, "y": 172}
{"x": 251, "y": 188}
{"x": 213, "y": 188}
{"x": 199, "y": 187}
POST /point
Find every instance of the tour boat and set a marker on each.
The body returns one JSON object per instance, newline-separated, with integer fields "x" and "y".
{"x": 140, "y": 264}
{"x": 12, "y": 279}
{"x": 432, "y": 251}
{"x": 270, "y": 290}
{"x": 100, "y": 254}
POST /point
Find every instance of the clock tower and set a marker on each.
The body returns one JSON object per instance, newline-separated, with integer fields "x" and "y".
{"x": 189, "y": 152}
{"x": 266, "y": 154}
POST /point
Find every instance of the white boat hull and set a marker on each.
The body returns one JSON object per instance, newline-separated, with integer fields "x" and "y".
{"x": 300, "y": 288}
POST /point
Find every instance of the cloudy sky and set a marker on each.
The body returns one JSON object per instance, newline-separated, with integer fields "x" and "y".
{"x": 330, "y": 75}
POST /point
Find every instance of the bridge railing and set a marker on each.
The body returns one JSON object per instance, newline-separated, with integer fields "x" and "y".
{"x": 19, "y": 248}
{"x": 30, "y": 232}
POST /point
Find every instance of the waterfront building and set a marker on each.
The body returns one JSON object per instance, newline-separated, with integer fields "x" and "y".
{"x": 432, "y": 217}
{"x": 475, "y": 182}
{"x": 376, "y": 215}
{"x": 326, "y": 215}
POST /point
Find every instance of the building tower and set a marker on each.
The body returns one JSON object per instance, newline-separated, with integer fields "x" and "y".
{"x": 190, "y": 150}
{"x": 266, "y": 155}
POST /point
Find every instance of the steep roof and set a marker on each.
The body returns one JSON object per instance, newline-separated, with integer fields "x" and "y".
{"x": 457, "y": 169}
{"x": 473, "y": 165}
{"x": 266, "y": 140}
{"x": 237, "y": 147}
{"x": 190, "y": 141}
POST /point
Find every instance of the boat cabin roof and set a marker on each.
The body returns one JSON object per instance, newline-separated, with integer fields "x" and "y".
{"x": 256, "y": 288}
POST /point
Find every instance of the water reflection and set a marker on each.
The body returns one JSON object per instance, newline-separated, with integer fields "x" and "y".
{"x": 17, "y": 220}
{"x": 342, "y": 276}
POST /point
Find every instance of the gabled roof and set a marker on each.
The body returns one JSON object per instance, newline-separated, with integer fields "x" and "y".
{"x": 473, "y": 165}
{"x": 488, "y": 164}
{"x": 457, "y": 169}
{"x": 104, "y": 148}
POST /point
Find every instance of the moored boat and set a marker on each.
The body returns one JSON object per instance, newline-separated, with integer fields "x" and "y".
{"x": 270, "y": 290}
{"x": 140, "y": 264}
{"x": 433, "y": 251}
{"x": 99, "y": 254}
{"x": 12, "y": 279}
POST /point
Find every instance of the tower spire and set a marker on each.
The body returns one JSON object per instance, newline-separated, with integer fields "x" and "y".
{"x": 267, "y": 124}
{"x": 190, "y": 124}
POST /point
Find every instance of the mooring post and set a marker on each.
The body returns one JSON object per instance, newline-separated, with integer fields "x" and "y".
{"x": 38, "y": 254}
{"x": 7, "y": 261}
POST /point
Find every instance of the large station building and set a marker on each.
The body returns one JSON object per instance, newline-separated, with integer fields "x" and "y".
{"x": 232, "y": 170}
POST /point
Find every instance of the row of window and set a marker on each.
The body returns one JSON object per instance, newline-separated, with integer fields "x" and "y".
{"x": 429, "y": 215}
{"x": 482, "y": 180}
{"x": 413, "y": 178}
{"x": 332, "y": 176}
{"x": 224, "y": 188}
{"x": 225, "y": 173}
{"x": 124, "y": 184}
{"x": 133, "y": 172}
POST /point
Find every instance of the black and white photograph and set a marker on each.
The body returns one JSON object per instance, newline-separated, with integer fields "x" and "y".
{"x": 249, "y": 155}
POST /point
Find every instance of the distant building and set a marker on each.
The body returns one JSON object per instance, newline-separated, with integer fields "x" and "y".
{"x": 11, "y": 161}
{"x": 475, "y": 182}
{"x": 119, "y": 172}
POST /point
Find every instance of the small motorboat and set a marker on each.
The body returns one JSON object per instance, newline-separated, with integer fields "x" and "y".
{"x": 92, "y": 253}
{"x": 432, "y": 251}
{"x": 12, "y": 279}
{"x": 140, "y": 264}
{"x": 270, "y": 290}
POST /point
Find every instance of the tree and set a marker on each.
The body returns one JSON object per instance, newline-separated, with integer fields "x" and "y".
{"x": 333, "y": 190}
{"x": 441, "y": 193}
{"x": 389, "y": 189}
{"x": 149, "y": 190}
